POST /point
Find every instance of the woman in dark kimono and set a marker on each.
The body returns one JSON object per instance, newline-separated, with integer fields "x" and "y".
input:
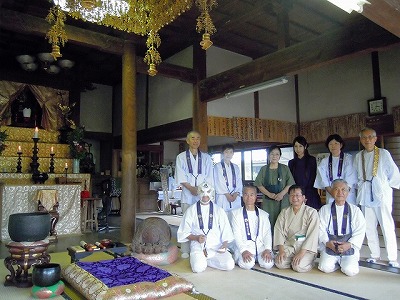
{"x": 304, "y": 170}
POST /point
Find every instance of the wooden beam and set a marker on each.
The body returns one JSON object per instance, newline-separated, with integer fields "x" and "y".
{"x": 165, "y": 132}
{"x": 385, "y": 13}
{"x": 27, "y": 24}
{"x": 361, "y": 36}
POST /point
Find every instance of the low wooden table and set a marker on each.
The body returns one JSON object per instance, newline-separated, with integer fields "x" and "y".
{"x": 116, "y": 250}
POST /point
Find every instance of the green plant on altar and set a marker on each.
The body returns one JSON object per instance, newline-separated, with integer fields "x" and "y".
{"x": 3, "y": 137}
{"x": 76, "y": 143}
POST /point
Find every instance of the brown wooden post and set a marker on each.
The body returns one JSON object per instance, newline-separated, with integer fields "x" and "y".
{"x": 200, "y": 120}
{"x": 129, "y": 143}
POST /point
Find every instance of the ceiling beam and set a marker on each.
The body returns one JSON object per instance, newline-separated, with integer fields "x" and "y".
{"x": 27, "y": 24}
{"x": 360, "y": 36}
{"x": 385, "y": 13}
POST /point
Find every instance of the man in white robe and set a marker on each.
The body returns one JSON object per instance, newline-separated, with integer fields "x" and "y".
{"x": 296, "y": 233}
{"x": 337, "y": 165}
{"x": 252, "y": 231}
{"x": 340, "y": 242}
{"x": 377, "y": 175}
{"x": 193, "y": 167}
{"x": 228, "y": 181}
{"x": 207, "y": 228}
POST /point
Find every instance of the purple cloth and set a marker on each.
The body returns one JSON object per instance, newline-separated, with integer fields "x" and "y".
{"x": 123, "y": 271}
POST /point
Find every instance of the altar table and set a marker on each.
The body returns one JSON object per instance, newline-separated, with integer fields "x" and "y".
{"x": 22, "y": 198}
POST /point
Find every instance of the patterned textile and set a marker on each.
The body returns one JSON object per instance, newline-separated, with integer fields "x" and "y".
{"x": 123, "y": 271}
{"x": 123, "y": 278}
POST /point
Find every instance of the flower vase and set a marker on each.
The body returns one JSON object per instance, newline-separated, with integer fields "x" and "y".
{"x": 75, "y": 166}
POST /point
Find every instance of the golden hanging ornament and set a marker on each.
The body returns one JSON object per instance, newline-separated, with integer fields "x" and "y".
{"x": 56, "y": 35}
{"x": 204, "y": 22}
{"x": 142, "y": 17}
{"x": 55, "y": 51}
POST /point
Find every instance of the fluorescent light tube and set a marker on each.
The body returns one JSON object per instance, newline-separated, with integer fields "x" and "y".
{"x": 257, "y": 87}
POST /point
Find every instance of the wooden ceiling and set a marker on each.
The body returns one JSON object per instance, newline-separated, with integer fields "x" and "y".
{"x": 258, "y": 29}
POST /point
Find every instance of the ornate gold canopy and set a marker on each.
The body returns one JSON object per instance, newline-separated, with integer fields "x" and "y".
{"x": 142, "y": 17}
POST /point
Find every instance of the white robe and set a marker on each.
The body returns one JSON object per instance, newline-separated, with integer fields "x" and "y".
{"x": 221, "y": 231}
{"x": 349, "y": 174}
{"x": 182, "y": 174}
{"x": 348, "y": 263}
{"x": 221, "y": 188}
{"x": 377, "y": 203}
{"x": 387, "y": 177}
{"x": 357, "y": 225}
{"x": 263, "y": 240}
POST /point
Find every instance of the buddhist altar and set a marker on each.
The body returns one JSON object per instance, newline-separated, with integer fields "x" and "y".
{"x": 30, "y": 150}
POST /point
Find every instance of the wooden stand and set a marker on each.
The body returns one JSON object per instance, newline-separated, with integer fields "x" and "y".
{"x": 54, "y": 220}
{"x": 23, "y": 256}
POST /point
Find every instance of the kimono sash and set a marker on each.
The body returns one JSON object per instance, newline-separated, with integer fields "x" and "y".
{"x": 273, "y": 188}
{"x": 340, "y": 238}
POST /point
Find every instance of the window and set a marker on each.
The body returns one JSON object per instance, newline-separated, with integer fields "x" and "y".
{"x": 253, "y": 161}
{"x": 236, "y": 159}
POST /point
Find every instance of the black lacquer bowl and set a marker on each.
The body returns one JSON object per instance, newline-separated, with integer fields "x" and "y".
{"x": 29, "y": 227}
{"x": 46, "y": 274}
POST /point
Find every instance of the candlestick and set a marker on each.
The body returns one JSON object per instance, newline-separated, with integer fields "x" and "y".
{"x": 52, "y": 150}
{"x": 51, "y": 170}
{"x": 36, "y": 134}
{"x": 35, "y": 164}
{"x": 19, "y": 167}
{"x": 19, "y": 149}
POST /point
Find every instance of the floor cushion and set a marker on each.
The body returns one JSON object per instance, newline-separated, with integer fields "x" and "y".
{"x": 123, "y": 278}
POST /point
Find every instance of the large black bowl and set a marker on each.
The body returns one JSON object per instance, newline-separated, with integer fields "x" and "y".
{"x": 46, "y": 274}
{"x": 29, "y": 227}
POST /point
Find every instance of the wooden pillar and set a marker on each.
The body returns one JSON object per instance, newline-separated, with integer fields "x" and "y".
{"x": 129, "y": 143}
{"x": 200, "y": 120}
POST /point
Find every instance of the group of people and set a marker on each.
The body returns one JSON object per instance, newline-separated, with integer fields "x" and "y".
{"x": 292, "y": 226}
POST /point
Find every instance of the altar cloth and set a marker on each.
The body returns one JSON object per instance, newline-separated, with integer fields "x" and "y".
{"x": 22, "y": 199}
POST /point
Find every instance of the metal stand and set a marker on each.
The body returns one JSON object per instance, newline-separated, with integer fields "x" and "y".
{"x": 19, "y": 167}
{"x": 51, "y": 170}
{"x": 66, "y": 175}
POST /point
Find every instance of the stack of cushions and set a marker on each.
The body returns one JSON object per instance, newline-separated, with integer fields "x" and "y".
{"x": 123, "y": 278}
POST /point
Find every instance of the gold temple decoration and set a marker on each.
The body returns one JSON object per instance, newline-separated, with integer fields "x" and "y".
{"x": 205, "y": 23}
{"x": 142, "y": 17}
{"x": 56, "y": 35}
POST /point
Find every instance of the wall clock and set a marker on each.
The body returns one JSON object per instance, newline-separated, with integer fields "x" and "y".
{"x": 377, "y": 107}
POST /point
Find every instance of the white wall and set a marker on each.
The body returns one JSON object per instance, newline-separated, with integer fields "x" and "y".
{"x": 338, "y": 89}
{"x": 96, "y": 109}
{"x": 220, "y": 60}
{"x": 390, "y": 76}
{"x": 279, "y": 103}
{"x": 170, "y": 100}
